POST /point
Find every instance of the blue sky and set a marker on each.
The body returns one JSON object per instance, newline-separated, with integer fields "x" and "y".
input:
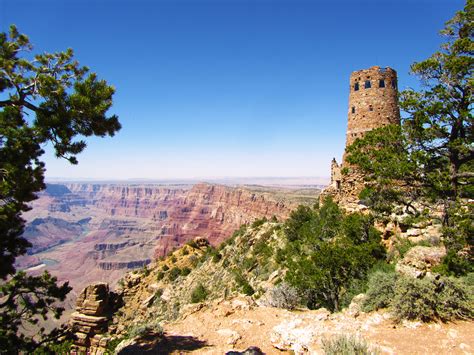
{"x": 227, "y": 88}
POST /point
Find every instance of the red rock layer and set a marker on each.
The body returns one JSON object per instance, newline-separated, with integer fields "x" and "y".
{"x": 210, "y": 211}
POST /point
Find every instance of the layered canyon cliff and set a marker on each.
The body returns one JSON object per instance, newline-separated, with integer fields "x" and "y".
{"x": 96, "y": 232}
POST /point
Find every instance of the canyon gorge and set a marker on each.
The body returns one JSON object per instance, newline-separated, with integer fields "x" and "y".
{"x": 84, "y": 232}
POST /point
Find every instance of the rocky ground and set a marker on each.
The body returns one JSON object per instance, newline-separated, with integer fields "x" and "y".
{"x": 235, "y": 325}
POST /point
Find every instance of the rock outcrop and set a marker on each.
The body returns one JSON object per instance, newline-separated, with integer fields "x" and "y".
{"x": 94, "y": 308}
{"x": 419, "y": 261}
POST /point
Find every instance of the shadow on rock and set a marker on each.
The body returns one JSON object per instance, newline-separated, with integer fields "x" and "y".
{"x": 166, "y": 344}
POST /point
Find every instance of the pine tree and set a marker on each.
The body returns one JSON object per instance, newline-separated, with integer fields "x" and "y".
{"x": 47, "y": 99}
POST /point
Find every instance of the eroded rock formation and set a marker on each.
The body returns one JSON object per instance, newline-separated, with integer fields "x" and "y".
{"x": 113, "y": 228}
{"x": 94, "y": 308}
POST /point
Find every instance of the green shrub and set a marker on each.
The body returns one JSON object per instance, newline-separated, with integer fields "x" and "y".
{"x": 346, "y": 345}
{"x": 112, "y": 344}
{"x": 380, "y": 292}
{"x": 160, "y": 275}
{"x": 454, "y": 264}
{"x": 165, "y": 268}
{"x": 468, "y": 280}
{"x": 174, "y": 273}
{"x": 427, "y": 300}
{"x": 58, "y": 347}
{"x": 199, "y": 294}
{"x": 173, "y": 259}
{"x": 192, "y": 244}
{"x": 193, "y": 260}
{"x": 414, "y": 299}
{"x": 247, "y": 289}
{"x": 280, "y": 256}
{"x": 216, "y": 257}
{"x": 258, "y": 222}
{"x": 455, "y": 301}
{"x": 261, "y": 247}
{"x": 243, "y": 284}
{"x": 145, "y": 271}
{"x": 185, "y": 271}
{"x": 248, "y": 263}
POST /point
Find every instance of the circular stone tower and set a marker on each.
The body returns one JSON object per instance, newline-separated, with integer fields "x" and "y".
{"x": 373, "y": 101}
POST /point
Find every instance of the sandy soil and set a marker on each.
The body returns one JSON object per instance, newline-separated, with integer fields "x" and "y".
{"x": 221, "y": 328}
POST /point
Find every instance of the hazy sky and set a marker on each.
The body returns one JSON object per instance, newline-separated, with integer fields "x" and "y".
{"x": 231, "y": 87}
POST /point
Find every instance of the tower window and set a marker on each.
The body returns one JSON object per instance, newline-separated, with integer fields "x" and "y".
{"x": 353, "y": 110}
{"x": 367, "y": 84}
{"x": 356, "y": 87}
{"x": 381, "y": 83}
{"x": 371, "y": 108}
{"x": 394, "y": 84}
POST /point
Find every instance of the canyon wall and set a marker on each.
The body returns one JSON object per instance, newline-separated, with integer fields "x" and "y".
{"x": 96, "y": 232}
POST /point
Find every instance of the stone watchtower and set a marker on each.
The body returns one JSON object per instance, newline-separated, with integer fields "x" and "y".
{"x": 373, "y": 103}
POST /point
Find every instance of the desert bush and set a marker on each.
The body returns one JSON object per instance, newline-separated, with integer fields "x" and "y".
{"x": 380, "y": 292}
{"x": 112, "y": 344}
{"x": 193, "y": 260}
{"x": 199, "y": 294}
{"x": 261, "y": 247}
{"x": 427, "y": 300}
{"x": 248, "y": 263}
{"x": 454, "y": 264}
{"x": 216, "y": 256}
{"x": 160, "y": 275}
{"x": 258, "y": 222}
{"x": 346, "y": 345}
{"x": 174, "y": 273}
{"x": 455, "y": 301}
{"x": 414, "y": 299}
{"x": 185, "y": 251}
{"x": 283, "y": 296}
{"x": 60, "y": 347}
{"x": 244, "y": 285}
{"x": 185, "y": 271}
{"x": 192, "y": 244}
{"x": 165, "y": 268}
{"x": 140, "y": 330}
{"x": 173, "y": 259}
{"x": 468, "y": 280}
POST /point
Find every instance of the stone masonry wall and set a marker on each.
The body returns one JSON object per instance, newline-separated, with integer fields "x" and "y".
{"x": 373, "y": 103}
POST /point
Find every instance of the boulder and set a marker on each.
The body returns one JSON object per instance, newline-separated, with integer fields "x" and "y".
{"x": 420, "y": 260}
{"x": 231, "y": 336}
